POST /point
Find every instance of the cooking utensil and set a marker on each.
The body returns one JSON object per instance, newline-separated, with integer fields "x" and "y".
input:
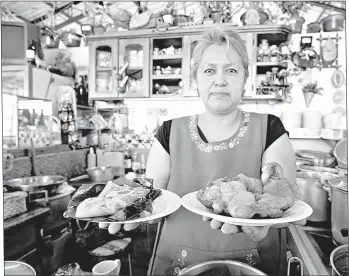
{"x": 234, "y": 267}
{"x": 339, "y": 209}
{"x": 318, "y": 158}
{"x": 71, "y": 39}
{"x": 18, "y": 268}
{"x": 310, "y": 190}
{"x": 333, "y": 23}
{"x": 338, "y": 78}
{"x": 314, "y": 27}
{"x": 263, "y": 16}
{"x": 35, "y": 184}
{"x": 340, "y": 261}
{"x": 104, "y": 173}
{"x": 300, "y": 162}
{"x": 306, "y": 58}
{"x": 317, "y": 169}
{"x": 341, "y": 153}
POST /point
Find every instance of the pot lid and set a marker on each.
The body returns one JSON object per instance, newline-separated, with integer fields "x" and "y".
{"x": 339, "y": 183}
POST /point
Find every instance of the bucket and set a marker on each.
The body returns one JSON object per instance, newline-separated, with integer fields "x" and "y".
{"x": 340, "y": 261}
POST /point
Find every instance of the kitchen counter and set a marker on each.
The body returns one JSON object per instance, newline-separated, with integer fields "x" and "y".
{"x": 302, "y": 246}
{"x": 29, "y": 215}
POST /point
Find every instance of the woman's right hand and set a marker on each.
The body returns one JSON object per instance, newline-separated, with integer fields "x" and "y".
{"x": 113, "y": 228}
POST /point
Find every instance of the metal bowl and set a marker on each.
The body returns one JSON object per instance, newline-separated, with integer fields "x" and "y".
{"x": 340, "y": 260}
{"x": 317, "y": 169}
{"x": 235, "y": 268}
{"x": 18, "y": 268}
{"x": 103, "y": 173}
{"x": 333, "y": 23}
{"x": 37, "y": 183}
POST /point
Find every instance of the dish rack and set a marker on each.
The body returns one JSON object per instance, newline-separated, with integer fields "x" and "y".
{"x": 14, "y": 204}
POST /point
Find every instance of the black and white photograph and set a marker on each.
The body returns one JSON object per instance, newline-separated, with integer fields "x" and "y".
{"x": 178, "y": 138}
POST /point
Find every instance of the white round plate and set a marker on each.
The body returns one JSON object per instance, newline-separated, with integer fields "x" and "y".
{"x": 164, "y": 205}
{"x": 300, "y": 210}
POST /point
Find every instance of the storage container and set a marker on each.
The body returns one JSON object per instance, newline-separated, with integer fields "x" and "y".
{"x": 14, "y": 204}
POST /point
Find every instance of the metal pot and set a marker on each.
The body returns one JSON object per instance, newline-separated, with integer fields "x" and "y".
{"x": 18, "y": 268}
{"x": 314, "y": 27}
{"x": 339, "y": 209}
{"x": 71, "y": 39}
{"x": 317, "y": 169}
{"x": 104, "y": 173}
{"x": 301, "y": 162}
{"x": 318, "y": 158}
{"x": 233, "y": 266}
{"x": 34, "y": 184}
{"x": 340, "y": 261}
{"x": 310, "y": 190}
{"x": 333, "y": 23}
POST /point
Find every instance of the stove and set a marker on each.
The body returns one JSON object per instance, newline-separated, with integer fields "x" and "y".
{"x": 320, "y": 236}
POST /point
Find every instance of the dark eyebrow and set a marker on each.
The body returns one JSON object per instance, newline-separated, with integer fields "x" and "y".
{"x": 225, "y": 65}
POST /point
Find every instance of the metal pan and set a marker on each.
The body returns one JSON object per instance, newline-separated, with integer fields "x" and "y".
{"x": 31, "y": 184}
{"x": 317, "y": 169}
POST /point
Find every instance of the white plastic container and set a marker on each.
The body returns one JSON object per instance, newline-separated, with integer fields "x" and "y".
{"x": 312, "y": 119}
{"x": 332, "y": 120}
{"x": 291, "y": 120}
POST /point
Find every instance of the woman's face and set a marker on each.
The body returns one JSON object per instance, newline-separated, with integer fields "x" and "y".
{"x": 220, "y": 79}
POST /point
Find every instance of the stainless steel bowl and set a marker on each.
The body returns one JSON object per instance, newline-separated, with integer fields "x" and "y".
{"x": 235, "y": 268}
{"x": 340, "y": 261}
{"x": 317, "y": 169}
{"x": 103, "y": 173}
{"x": 50, "y": 183}
{"x": 318, "y": 158}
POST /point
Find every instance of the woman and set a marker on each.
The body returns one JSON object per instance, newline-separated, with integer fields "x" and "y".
{"x": 223, "y": 141}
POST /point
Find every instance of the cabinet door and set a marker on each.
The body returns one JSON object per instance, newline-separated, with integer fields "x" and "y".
{"x": 135, "y": 53}
{"x": 103, "y": 65}
{"x": 189, "y": 83}
{"x": 16, "y": 80}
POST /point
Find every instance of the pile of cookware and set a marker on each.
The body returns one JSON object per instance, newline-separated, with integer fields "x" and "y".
{"x": 325, "y": 188}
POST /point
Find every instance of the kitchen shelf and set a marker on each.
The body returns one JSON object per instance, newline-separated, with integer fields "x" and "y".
{"x": 167, "y": 76}
{"x": 264, "y": 97}
{"x": 84, "y": 107}
{"x": 166, "y": 96}
{"x": 280, "y": 64}
{"x": 163, "y": 57}
{"x": 104, "y": 69}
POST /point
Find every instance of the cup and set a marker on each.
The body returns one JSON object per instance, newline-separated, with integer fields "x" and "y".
{"x": 107, "y": 268}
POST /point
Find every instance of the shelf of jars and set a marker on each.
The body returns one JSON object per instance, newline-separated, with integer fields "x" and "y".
{"x": 167, "y": 63}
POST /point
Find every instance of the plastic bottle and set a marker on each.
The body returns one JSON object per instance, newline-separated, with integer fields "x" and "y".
{"x": 91, "y": 159}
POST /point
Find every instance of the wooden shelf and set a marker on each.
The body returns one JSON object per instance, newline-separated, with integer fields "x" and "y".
{"x": 167, "y": 76}
{"x": 265, "y": 64}
{"x": 164, "y": 57}
{"x": 83, "y": 107}
{"x": 263, "y": 97}
{"x": 104, "y": 69}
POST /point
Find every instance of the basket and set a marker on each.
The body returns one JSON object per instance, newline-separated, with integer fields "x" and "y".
{"x": 14, "y": 204}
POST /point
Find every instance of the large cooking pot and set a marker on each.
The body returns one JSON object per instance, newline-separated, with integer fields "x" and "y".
{"x": 340, "y": 261}
{"x": 318, "y": 158}
{"x": 310, "y": 190}
{"x": 234, "y": 267}
{"x": 339, "y": 209}
{"x": 34, "y": 184}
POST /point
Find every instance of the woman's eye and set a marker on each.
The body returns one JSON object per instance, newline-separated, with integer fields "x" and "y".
{"x": 209, "y": 71}
{"x": 232, "y": 71}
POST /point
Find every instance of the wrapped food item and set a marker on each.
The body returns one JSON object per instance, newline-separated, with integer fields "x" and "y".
{"x": 118, "y": 200}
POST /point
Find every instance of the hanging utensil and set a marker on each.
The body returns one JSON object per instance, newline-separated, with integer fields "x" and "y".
{"x": 338, "y": 78}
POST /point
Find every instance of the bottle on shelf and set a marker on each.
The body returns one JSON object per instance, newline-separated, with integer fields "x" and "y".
{"x": 82, "y": 91}
{"x": 42, "y": 118}
{"x": 91, "y": 159}
{"x": 77, "y": 93}
{"x": 128, "y": 162}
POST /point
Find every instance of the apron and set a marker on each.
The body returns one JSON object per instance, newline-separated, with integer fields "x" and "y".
{"x": 184, "y": 239}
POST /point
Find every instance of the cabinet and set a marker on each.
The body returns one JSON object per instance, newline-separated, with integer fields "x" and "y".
{"x": 103, "y": 68}
{"x": 158, "y": 64}
{"x": 135, "y": 52}
{"x": 16, "y": 80}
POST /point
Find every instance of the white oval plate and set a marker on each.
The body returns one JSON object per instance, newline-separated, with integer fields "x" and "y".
{"x": 164, "y": 205}
{"x": 300, "y": 210}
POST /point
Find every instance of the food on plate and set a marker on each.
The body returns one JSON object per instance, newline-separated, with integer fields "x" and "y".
{"x": 246, "y": 197}
{"x": 119, "y": 200}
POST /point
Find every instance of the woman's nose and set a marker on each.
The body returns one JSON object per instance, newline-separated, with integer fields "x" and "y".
{"x": 220, "y": 79}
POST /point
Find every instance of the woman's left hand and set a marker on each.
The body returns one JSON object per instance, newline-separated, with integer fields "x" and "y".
{"x": 256, "y": 233}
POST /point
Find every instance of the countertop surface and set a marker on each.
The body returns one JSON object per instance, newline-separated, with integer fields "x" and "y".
{"x": 12, "y": 222}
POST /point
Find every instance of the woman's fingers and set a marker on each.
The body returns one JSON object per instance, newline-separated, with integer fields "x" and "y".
{"x": 215, "y": 224}
{"x": 257, "y": 233}
{"x": 206, "y": 219}
{"x": 113, "y": 228}
{"x": 103, "y": 225}
{"x": 229, "y": 229}
{"x": 301, "y": 222}
{"x": 131, "y": 226}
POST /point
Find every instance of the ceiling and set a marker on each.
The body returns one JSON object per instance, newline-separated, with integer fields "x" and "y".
{"x": 62, "y": 15}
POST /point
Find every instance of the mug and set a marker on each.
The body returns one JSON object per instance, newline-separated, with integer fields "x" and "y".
{"x": 107, "y": 268}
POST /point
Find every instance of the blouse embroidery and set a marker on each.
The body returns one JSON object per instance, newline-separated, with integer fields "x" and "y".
{"x": 209, "y": 147}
